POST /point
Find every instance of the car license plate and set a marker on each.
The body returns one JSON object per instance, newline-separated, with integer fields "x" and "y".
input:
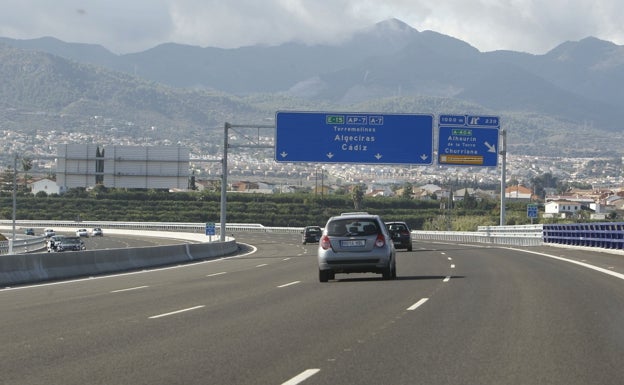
{"x": 353, "y": 243}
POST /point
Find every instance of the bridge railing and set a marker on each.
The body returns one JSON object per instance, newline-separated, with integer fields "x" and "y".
{"x": 607, "y": 235}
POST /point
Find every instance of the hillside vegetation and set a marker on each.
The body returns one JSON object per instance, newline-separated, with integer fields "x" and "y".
{"x": 280, "y": 210}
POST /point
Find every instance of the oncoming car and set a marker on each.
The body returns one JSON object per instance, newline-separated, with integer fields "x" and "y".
{"x": 356, "y": 243}
{"x": 82, "y": 233}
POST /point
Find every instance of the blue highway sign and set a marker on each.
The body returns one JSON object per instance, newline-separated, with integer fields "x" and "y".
{"x": 532, "y": 211}
{"x": 353, "y": 137}
{"x": 468, "y": 140}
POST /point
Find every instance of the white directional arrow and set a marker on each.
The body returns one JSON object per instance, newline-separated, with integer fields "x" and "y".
{"x": 424, "y": 156}
{"x": 330, "y": 155}
{"x": 284, "y": 154}
{"x": 378, "y": 156}
{"x": 491, "y": 148}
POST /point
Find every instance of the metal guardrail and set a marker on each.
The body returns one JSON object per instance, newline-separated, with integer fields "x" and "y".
{"x": 530, "y": 235}
{"x": 603, "y": 235}
{"x": 26, "y": 245}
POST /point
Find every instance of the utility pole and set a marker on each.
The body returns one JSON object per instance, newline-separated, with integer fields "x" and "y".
{"x": 503, "y": 153}
{"x": 224, "y": 171}
{"x": 14, "y": 203}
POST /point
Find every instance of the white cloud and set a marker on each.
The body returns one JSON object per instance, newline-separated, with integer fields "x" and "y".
{"x": 134, "y": 25}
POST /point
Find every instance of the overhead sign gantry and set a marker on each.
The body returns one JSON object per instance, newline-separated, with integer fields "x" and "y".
{"x": 346, "y": 137}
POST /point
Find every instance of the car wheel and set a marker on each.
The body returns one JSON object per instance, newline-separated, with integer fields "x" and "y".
{"x": 387, "y": 271}
{"x": 324, "y": 275}
{"x": 409, "y": 247}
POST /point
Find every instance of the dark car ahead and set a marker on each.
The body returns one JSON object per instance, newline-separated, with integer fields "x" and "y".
{"x": 401, "y": 235}
{"x": 311, "y": 234}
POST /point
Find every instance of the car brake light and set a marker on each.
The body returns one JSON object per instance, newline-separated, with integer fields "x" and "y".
{"x": 380, "y": 241}
{"x": 325, "y": 244}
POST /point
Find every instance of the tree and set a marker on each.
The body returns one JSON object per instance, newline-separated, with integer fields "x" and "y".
{"x": 469, "y": 202}
{"x": 6, "y": 179}
{"x": 542, "y": 182}
{"x": 358, "y": 196}
{"x": 408, "y": 191}
{"x": 26, "y": 166}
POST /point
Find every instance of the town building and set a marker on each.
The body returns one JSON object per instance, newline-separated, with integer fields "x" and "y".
{"x": 518, "y": 193}
{"x": 561, "y": 209}
{"x": 46, "y": 185}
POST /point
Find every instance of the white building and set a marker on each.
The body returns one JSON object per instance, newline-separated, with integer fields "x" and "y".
{"x": 46, "y": 185}
{"x": 157, "y": 167}
{"x": 561, "y": 209}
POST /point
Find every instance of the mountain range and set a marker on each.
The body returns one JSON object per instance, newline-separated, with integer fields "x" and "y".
{"x": 565, "y": 102}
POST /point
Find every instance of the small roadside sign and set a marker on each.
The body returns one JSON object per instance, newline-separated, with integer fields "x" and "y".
{"x": 532, "y": 211}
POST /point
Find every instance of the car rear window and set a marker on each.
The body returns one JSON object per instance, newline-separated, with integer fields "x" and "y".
{"x": 352, "y": 226}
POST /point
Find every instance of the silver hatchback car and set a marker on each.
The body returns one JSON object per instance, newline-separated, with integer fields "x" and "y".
{"x": 356, "y": 243}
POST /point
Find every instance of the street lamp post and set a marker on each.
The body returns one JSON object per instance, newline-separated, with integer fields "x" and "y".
{"x": 14, "y": 204}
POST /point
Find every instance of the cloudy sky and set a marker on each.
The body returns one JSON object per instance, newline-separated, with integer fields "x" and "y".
{"x": 124, "y": 26}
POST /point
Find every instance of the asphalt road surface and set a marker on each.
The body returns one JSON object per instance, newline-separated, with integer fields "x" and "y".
{"x": 457, "y": 314}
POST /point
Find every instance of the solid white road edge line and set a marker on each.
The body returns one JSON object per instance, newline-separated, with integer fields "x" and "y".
{"x": 586, "y": 265}
{"x": 417, "y": 304}
{"x": 176, "y": 312}
{"x": 299, "y": 378}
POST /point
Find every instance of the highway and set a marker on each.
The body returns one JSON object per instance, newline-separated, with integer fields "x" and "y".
{"x": 457, "y": 314}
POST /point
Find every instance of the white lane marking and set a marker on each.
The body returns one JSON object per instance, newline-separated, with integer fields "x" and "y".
{"x": 299, "y": 378}
{"x": 176, "y": 312}
{"x": 289, "y": 284}
{"x": 129, "y": 289}
{"x": 262, "y": 265}
{"x": 449, "y": 258}
{"x": 417, "y": 304}
{"x": 452, "y": 266}
{"x": 448, "y": 278}
{"x": 287, "y": 259}
{"x": 215, "y": 274}
{"x": 596, "y": 268}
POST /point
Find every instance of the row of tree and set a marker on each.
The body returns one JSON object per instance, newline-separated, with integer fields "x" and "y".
{"x": 295, "y": 210}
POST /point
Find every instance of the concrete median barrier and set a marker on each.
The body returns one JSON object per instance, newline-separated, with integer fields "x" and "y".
{"x": 38, "y": 267}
